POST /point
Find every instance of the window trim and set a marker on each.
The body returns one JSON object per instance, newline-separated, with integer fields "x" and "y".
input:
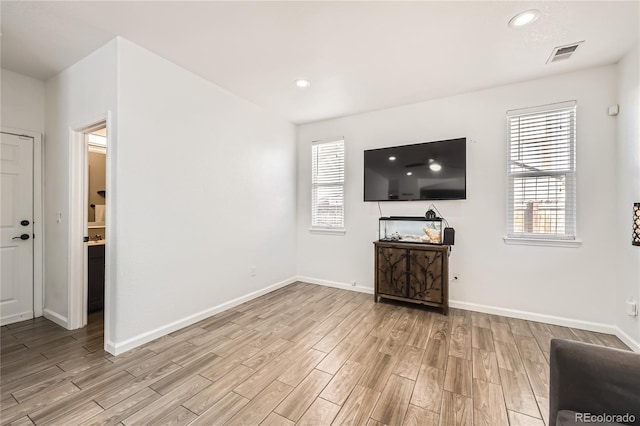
{"x": 329, "y": 230}
{"x": 547, "y": 242}
{"x": 570, "y": 239}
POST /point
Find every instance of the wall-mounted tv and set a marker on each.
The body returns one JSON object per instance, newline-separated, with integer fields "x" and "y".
{"x": 423, "y": 171}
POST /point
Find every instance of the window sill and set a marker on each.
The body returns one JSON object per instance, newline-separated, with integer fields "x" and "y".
{"x": 327, "y": 231}
{"x": 542, "y": 242}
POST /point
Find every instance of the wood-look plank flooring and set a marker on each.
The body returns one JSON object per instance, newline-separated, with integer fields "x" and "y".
{"x": 304, "y": 354}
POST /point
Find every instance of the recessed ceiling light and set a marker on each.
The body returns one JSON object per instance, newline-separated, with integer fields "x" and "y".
{"x": 435, "y": 167}
{"x": 392, "y": 158}
{"x": 524, "y": 18}
{"x": 409, "y": 173}
{"x": 301, "y": 82}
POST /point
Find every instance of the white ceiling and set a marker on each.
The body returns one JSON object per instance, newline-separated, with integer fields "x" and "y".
{"x": 359, "y": 56}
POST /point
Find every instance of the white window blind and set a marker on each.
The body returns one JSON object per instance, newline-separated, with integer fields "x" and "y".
{"x": 542, "y": 172}
{"x": 327, "y": 181}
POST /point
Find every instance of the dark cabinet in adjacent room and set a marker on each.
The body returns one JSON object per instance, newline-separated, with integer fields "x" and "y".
{"x": 95, "y": 297}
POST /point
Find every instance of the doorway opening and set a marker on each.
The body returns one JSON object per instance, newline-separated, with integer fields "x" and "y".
{"x": 90, "y": 228}
{"x": 96, "y": 194}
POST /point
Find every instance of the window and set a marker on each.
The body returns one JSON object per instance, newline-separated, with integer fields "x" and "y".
{"x": 327, "y": 186}
{"x": 542, "y": 172}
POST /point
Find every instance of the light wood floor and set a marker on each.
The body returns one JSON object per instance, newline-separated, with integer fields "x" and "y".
{"x": 303, "y": 354}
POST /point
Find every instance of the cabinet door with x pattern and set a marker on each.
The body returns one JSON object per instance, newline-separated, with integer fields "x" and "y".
{"x": 425, "y": 275}
{"x": 392, "y": 271}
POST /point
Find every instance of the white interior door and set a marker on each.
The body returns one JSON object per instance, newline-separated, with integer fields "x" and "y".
{"x": 16, "y": 227}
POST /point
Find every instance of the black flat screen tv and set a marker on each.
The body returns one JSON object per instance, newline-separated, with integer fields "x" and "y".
{"x": 423, "y": 171}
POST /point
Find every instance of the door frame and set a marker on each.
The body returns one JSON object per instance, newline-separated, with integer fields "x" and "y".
{"x": 78, "y": 217}
{"x": 38, "y": 216}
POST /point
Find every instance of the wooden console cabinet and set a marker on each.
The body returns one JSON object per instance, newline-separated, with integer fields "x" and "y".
{"x": 417, "y": 273}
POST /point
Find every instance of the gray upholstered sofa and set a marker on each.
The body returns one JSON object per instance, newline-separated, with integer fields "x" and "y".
{"x": 589, "y": 381}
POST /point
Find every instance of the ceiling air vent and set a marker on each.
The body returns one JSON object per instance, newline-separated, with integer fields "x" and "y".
{"x": 561, "y": 53}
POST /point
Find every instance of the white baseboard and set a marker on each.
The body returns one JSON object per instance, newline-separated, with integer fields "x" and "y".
{"x": 532, "y": 316}
{"x": 514, "y": 313}
{"x": 117, "y": 348}
{"x": 11, "y": 319}
{"x": 627, "y": 340}
{"x": 335, "y": 284}
{"x": 55, "y": 317}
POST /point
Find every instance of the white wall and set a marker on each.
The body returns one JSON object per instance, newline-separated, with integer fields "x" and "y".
{"x": 74, "y": 98}
{"x": 205, "y": 190}
{"x": 205, "y": 187}
{"x": 573, "y": 283}
{"x": 22, "y": 102}
{"x": 628, "y": 191}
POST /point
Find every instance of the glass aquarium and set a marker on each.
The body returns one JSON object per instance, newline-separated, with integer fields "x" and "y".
{"x": 405, "y": 229}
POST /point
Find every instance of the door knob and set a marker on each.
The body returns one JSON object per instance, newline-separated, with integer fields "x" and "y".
{"x": 21, "y": 237}
{"x": 24, "y": 222}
